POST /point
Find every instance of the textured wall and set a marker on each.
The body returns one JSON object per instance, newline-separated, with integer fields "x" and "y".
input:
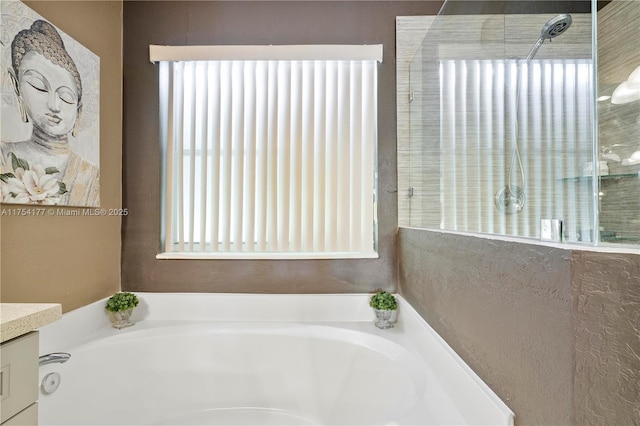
{"x": 505, "y": 308}
{"x": 606, "y": 290}
{"x": 554, "y": 332}
{"x": 246, "y": 22}
{"x": 75, "y": 260}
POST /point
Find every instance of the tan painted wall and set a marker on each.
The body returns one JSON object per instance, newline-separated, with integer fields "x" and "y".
{"x": 75, "y": 260}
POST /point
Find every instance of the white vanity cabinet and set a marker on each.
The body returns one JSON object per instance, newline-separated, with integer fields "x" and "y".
{"x": 19, "y": 359}
{"x": 19, "y": 380}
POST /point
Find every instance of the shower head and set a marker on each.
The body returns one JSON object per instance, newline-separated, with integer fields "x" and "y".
{"x": 556, "y": 26}
{"x": 553, "y": 28}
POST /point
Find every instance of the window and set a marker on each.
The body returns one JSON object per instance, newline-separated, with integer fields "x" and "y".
{"x": 268, "y": 152}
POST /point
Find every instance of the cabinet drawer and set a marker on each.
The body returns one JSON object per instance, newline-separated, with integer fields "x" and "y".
{"x": 28, "y": 417}
{"x": 18, "y": 374}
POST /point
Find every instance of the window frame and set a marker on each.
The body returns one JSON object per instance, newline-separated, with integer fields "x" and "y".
{"x": 304, "y": 52}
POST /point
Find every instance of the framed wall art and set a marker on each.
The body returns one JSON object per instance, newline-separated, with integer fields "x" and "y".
{"x": 50, "y": 118}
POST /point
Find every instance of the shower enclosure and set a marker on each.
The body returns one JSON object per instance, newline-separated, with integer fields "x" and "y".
{"x": 506, "y": 135}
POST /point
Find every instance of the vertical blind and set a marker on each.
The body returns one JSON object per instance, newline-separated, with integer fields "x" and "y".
{"x": 269, "y": 157}
{"x": 484, "y": 114}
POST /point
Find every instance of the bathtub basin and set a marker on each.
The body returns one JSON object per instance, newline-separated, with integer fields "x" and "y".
{"x": 286, "y": 364}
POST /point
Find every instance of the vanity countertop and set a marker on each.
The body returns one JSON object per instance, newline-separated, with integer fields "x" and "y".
{"x": 17, "y": 319}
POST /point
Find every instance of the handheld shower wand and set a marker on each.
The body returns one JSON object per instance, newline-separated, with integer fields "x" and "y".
{"x": 511, "y": 198}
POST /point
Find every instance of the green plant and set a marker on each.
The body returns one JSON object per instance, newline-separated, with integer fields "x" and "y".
{"x": 121, "y": 302}
{"x": 384, "y": 301}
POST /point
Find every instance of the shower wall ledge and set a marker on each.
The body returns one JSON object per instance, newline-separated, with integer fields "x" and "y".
{"x": 564, "y": 246}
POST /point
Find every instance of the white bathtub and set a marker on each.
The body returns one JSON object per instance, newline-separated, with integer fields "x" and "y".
{"x": 226, "y": 359}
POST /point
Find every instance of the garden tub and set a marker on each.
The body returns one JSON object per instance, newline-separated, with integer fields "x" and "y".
{"x": 222, "y": 359}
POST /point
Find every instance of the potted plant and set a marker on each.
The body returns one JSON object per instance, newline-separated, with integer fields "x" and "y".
{"x": 383, "y": 304}
{"x": 121, "y": 305}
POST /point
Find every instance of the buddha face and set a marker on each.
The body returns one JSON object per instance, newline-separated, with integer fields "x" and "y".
{"x": 49, "y": 95}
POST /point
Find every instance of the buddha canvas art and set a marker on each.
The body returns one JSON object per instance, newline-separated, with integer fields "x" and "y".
{"x": 50, "y": 143}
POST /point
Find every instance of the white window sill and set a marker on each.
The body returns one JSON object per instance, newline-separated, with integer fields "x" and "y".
{"x": 266, "y": 256}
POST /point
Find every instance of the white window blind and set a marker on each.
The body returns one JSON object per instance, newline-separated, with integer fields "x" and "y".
{"x": 271, "y": 157}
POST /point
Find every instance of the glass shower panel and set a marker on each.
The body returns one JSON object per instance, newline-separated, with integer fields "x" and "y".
{"x": 618, "y": 105}
{"x": 500, "y": 142}
{"x": 424, "y": 127}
